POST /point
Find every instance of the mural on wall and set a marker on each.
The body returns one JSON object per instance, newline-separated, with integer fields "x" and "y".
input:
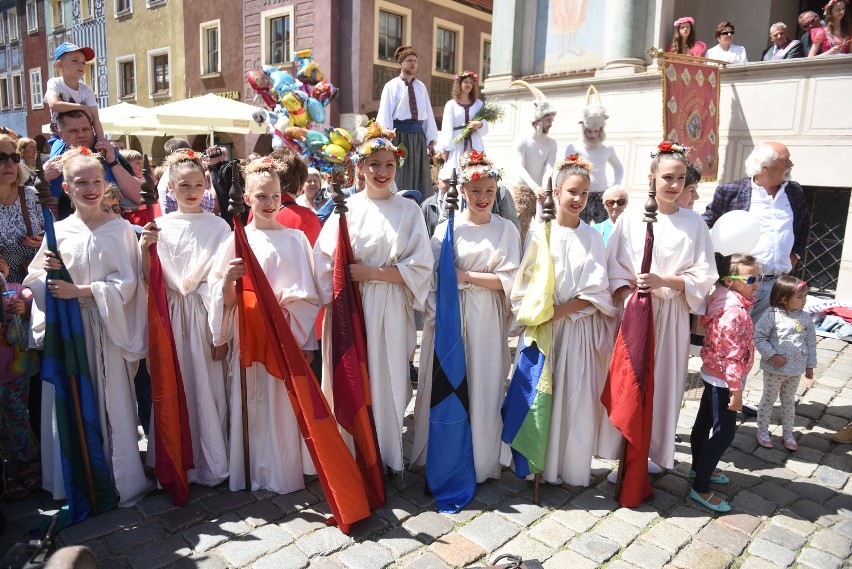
{"x": 575, "y": 36}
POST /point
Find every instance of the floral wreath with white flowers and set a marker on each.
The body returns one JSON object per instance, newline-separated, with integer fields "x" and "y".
{"x": 378, "y": 138}
{"x": 459, "y": 77}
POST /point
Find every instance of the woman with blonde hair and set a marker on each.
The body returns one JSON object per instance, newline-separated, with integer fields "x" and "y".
{"x": 28, "y": 149}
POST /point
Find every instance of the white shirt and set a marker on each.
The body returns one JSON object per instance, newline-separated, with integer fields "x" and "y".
{"x": 599, "y": 155}
{"x": 394, "y": 105}
{"x": 735, "y": 54}
{"x": 83, "y": 94}
{"x": 775, "y": 216}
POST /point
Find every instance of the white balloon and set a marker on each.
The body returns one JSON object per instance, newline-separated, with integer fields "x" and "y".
{"x": 735, "y": 232}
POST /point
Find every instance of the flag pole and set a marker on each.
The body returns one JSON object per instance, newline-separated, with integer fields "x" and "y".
{"x": 45, "y": 199}
{"x": 548, "y": 213}
{"x": 649, "y": 219}
{"x": 236, "y": 206}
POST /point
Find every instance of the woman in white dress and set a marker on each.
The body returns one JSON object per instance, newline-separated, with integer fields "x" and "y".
{"x": 102, "y": 255}
{"x": 458, "y": 113}
{"x": 726, "y": 50}
{"x": 683, "y": 271}
{"x": 393, "y": 268}
{"x": 582, "y": 326}
{"x": 187, "y": 240}
{"x": 278, "y": 460}
{"x": 487, "y": 254}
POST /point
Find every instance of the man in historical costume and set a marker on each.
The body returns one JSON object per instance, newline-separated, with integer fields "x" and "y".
{"x": 535, "y": 154}
{"x": 405, "y": 107}
{"x": 779, "y": 206}
{"x": 592, "y": 146}
{"x": 782, "y": 47}
{"x": 76, "y": 129}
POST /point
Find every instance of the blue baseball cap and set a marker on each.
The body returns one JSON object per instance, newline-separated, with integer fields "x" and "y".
{"x": 412, "y": 195}
{"x": 69, "y": 47}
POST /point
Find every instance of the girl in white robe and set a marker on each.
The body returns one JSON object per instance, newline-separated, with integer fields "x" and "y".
{"x": 187, "y": 240}
{"x": 277, "y": 459}
{"x": 487, "y": 255}
{"x": 102, "y": 255}
{"x": 459, "y": 112}
{"x": 393, "y": 268}
{"x": 582, "y": 326}
{"x": 683, "y": 271}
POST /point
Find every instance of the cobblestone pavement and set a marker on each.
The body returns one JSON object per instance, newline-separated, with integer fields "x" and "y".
{"x": 789, "y": 509}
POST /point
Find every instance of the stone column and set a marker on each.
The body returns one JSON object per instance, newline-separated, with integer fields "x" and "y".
{"x": 507, "y": 42}
{"x": 625, "y": 36}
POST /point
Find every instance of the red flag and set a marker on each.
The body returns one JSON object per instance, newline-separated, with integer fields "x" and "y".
{"x": 628, "y": 394}
{"x": 265, "y": 337}
{"x": 350, "y": 380}
{"x": 172, "y": 437}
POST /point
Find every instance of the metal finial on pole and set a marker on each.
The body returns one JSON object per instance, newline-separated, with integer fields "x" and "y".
{"x": 42, "y": 186}
{"x": 548, "y": 207}
{"x": 451, "y": 200}
{"x": 338, "y": 197}
{"x": 651, "y": 205}
{"x": 236, "y": 204}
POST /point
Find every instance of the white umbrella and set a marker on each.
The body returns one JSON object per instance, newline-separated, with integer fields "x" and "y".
{"x": 212, "y": 114}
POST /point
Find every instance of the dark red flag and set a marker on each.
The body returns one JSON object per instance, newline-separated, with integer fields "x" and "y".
{"x": 628, "y": 394}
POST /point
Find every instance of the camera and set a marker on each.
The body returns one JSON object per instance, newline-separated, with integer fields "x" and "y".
{"x": 214, "y": 152}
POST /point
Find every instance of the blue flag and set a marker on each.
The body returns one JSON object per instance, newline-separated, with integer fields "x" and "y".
{"x": 66, "y": 367}
{"x": 450, "y": 473}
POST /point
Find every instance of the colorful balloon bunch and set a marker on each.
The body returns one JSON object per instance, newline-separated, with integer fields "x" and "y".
{"x": 295, "y": 112}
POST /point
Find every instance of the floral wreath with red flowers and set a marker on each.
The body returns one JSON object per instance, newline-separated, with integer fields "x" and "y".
{"x": 184, "y": 156}
{"x": 827, "y": 7}
{"x": 575, "y": 160}
{"x": 378, "y": 138}
{"x": 265, "y": 164}
{"x": 666, "y": 147}
{"x": 459, "y": 77}
{"x": 474, "y": 165}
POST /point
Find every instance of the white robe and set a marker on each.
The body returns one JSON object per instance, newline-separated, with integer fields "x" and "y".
{"x": 682, "y": 247}
{"x": 187, "y": 244}
{"x": 384, "y": 233}
{"x": 599, "y": 155}
{"x": 278, "y": 460}
{"x": 492, "y": 247}
{"x": 454, "y": 117}
{"x": 580, "y": 349}
{"x": 114, "y": 321}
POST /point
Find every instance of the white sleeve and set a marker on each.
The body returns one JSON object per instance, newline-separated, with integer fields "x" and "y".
{"x": 384, "y": 116}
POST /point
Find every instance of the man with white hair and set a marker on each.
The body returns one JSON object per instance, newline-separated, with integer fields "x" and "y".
{"x": 593, "y": 146}
{"x": 779, "y": 206}
{"x": 782, "y": 47}
{"x": 535, "y": 154}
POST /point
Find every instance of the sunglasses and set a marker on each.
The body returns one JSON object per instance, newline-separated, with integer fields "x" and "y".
{"x": 115, "y": 208}
{"x": 16, "y": 158}
{"x": 749, "y": 280}
{"x": 620, "y": 203}
{"x": 810, "y": 24}
{"x": 726, "y": 33}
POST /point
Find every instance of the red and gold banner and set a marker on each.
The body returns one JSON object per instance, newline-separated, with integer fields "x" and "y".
{"x": 691, "y": 110}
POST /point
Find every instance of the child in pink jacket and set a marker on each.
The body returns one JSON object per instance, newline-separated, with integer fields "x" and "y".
{"x": 727, "y": 357}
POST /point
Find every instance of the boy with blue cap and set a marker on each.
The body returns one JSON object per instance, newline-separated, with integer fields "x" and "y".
{"x": 68, "y": 93}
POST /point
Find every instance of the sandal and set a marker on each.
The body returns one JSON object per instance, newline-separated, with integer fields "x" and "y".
{"x": 15, "y": 492}
{"x": 722, "y": 506}
{"x": 719, "y": 478}
{"x": 790, "y": 443}
{"x": 29, "y": 479}
{"x": 764, "y": 440}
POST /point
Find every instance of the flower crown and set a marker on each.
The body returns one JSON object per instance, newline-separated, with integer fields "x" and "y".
{"x": 184, "y": 156}
{"x": 667, "y": 147}
{"x": 265, "y": 164}
{"x": 378, "y": 138}
{"x": 685, "y": 20}
{"x": 464, "y": 75}
{"x": 476, "y": 166}
{"x": 831, "y": 3}
{"x": 575, "y": 160}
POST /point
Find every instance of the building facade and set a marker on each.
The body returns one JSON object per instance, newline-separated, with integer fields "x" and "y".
{"x": 37, "y": 68}
{"x": 89, "y": 29}
{"x": 793, "y": 102}
{"x": 13, "y": 109}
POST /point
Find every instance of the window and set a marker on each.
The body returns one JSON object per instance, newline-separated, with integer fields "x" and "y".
{"x": 13, "y": 24}
{"x": 36, "y": 92}
{"x": 445, "y": 51}
{"x": 57, "y": 12}
{"x": 87, "y": 9}
{"x": 32, "y": 17}
{"x": 4, "y": 93}
{"x": 123, "y": 7}
{"x": 210, "y": 48}
{"x": 126, "y": 68}
{"x": 91, "y": 77}
{"x": 277, "y": 36}
{"x": 158, "y": 73}
{"x": 17, "y": 91}
{"x": 390, "y": 34}
{"x": 2, "y": 30}
{"x": 486, "y": 59}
